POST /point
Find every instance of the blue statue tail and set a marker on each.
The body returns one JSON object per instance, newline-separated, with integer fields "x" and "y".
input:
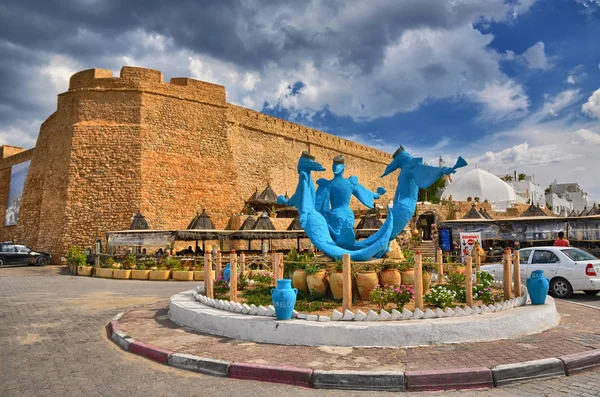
{"x": 375, "y": 250}
{"x": 460, "y": 162}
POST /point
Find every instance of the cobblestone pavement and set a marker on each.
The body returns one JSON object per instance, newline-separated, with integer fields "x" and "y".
{"x": 53, "y": 343}
{"x": 578, "y": 331}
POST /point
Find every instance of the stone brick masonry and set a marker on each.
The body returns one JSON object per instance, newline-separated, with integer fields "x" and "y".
{"x": 118, "y": 144}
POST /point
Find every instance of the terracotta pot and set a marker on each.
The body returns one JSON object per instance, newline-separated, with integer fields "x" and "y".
{"x": 336, "y": 282}
{"x": 183, "y": 275}
{"x": 366, "y": 281}
{"x": 199, "y": 275}
{"x": 426, "y": 281}
{"x": 84, "y": 270}
{"x": 317, "y": 282}
{"x": 122, "y": 274}
{"x": 160, "y": 275}
{"x": 390, "y": 277}
{"x": 299, "y": 280}
{"x": 104, "y": 273}
{"x": 408, "y": 278}
{"x": 140, "y": 274}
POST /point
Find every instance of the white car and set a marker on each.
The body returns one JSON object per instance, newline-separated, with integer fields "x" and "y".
{"x": 568, "y": 269}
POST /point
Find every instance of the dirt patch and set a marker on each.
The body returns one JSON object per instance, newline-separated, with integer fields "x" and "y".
{"x": 30, "y": 339}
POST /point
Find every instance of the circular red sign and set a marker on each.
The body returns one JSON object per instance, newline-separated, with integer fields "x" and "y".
{"x": 470, "y": 241}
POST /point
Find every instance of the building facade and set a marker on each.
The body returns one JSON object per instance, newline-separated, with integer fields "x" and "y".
{"x": 119, "y": 144}
{"x": 572, "y": 192}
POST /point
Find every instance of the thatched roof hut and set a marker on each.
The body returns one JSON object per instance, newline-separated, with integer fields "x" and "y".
{"x": 295, "y": 225}
{"x": 533, "y": 210}
{"x": 202, "y": 222}
{"x": 248, "y": 223}
{"x": 138, "y": 222}
{"x": 263, "y": 223}
{"x": 369, "y": 221}
{"x": 473, "y": 214}
{"x": 573, "y": 214}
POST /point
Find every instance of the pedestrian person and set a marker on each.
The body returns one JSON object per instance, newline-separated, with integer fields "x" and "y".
{"x": 562, "y": 241}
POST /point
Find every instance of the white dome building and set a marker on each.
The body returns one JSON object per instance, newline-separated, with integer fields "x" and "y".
{"x": 482, "y": 184}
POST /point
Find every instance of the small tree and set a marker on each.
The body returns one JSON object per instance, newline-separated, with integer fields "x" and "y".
{"x": 522, "y": 177}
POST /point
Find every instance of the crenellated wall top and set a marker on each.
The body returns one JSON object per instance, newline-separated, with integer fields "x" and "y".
{"x": 150, "y": 81}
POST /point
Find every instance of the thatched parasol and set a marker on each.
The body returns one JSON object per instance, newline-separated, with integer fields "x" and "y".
{"x": 138, "y": 222}
{"x": 201, "y": 222}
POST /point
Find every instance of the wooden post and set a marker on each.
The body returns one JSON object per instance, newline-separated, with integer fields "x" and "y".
{"x": 233, "y": 278}
{"x": 440, "y": 261}
{"x": 208, "y": 281}
{"x": 469, "y": 280}
{"x": 517, "y": 271}
{"x": 242, "y": 264}
{"x": 506, "y": 277}
{"x": 275, "y": 265}
{"x": 218, "y": 266}
{"x": 418, "y": 281}
{"x": 281, "y": 265}
{"x": 477, "y": 262}
{"x": 347, "y": 282}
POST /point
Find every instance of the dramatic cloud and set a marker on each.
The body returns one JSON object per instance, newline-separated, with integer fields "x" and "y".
{"x": 592, "y": 106}
{"x": 535, "y": 57}
{"x": 352, "y": 58}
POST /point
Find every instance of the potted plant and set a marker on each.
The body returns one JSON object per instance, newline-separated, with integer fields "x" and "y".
{"x": 299, "y": 278}
{"x": 316, "y": 279}
{"x": 389, "y": 274}
{"x": 106, "y": 269}
{"x": 124, "y": 273}
{"x": 181, "y": 274}
{"x": 366, "y": 281}
{"x": 160, "y": 273}
{"x": 142, "y": 271}
{"x": 336, "y": 281}
{"x": 77, "y": 260}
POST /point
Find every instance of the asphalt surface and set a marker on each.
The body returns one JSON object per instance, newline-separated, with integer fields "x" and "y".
{"x": 53, "y": 343}
{"x": 590, "y": 300}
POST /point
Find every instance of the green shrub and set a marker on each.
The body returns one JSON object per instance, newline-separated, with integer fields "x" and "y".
{"x": 76, "y": 257}
{"x": 440, "y": 296}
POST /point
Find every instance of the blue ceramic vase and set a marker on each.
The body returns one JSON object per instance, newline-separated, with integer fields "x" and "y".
{"x": 227, "y": 272}
{"x": 537, "y": 286}
{"x": 284, "y": 299}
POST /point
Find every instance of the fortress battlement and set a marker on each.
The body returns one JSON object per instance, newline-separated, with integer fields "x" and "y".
{"x": 150, "y": 81}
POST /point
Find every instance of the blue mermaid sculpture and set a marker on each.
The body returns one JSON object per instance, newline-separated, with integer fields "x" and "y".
{"x": 327, "y": 218}
{"x": 314, "y": 223}
{"x": 413, "y": 175}
{"x": 333, "y": 202}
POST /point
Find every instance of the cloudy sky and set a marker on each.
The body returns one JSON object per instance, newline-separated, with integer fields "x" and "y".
{"x": 510, "y": 85}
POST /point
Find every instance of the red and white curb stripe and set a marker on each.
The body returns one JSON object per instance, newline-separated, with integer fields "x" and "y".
{"x": 451, "y": 379}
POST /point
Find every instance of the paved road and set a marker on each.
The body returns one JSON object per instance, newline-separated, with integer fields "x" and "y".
{"x": 52, "y": 343}
{"x": 590, "y": 300}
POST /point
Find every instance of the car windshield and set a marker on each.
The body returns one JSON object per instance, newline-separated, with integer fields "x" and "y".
{"x": 577, "y": 254}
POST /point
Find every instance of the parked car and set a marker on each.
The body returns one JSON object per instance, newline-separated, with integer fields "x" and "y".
{"x": 13, "y": 254}
{"x": 568, "y": 269}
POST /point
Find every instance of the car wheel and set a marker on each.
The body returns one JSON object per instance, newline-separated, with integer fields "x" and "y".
{"x": 42, "y": 261}
{"x": 1, "y": 262}
{"x": 590, "y": 292}
{"x": 561, "y": 288}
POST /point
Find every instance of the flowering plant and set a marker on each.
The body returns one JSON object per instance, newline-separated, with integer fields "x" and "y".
{"x": 263, "y": 279}
{"x": 440, "y": 296}
{"x": 400, "y": 295}
{"x": 221, "y": 286}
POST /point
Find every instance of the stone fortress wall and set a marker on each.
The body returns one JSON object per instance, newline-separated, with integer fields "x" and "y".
{"x": 118, "y": 144}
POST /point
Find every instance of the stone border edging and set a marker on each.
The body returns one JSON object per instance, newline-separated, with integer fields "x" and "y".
{"x": 453, "y": 379}
{"x": 186, "y": 310}
{"x": 348, "y": 315}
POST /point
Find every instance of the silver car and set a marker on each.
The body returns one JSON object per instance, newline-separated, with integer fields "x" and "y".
{"x": 568, "y": 269}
